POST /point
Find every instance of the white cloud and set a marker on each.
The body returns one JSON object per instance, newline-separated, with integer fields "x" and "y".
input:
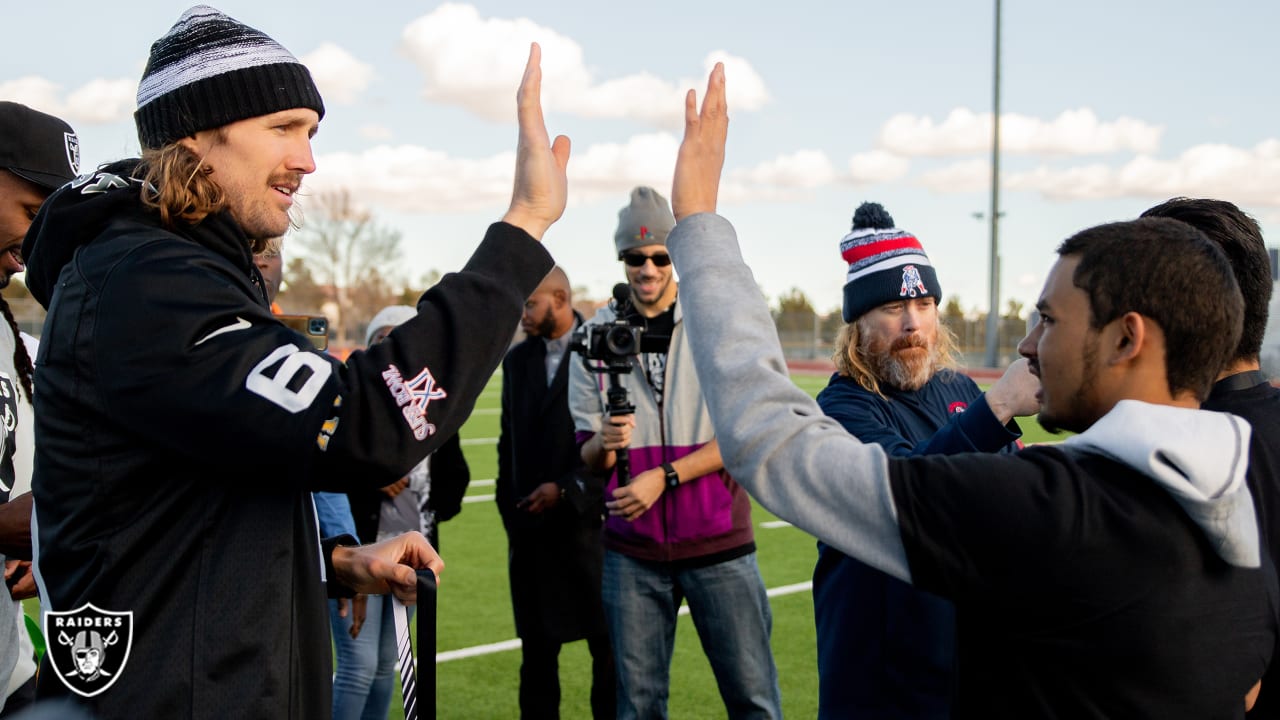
{"x": 964, "y": 132}
{"x": 103, "y": 101}
{"x": 804, "y": 169}
{"x": 477, "y": 63}
{"x": 376, "y": 132}
{"x": 877, "y": 166}
{"x": 415, "y": 179}
{"x": 967, "y": 176}
{"x": 1243, "y": 176}
{"x": 339, "y": 75}
{"x": 613, "y": 168}
{"x": 97, "y": 102}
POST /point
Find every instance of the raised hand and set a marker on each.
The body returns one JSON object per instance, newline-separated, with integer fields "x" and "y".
{"x": 541, "y": 185}
{"x": 701, "y": 157}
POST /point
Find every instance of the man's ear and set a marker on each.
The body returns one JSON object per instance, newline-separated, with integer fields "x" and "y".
{"x": 199, "y": 143}
{"x": 561, "y": 297}
{"x": 1126, "y": 338}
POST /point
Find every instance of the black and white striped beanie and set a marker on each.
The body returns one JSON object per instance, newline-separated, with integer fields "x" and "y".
{"x": 210, "y": 70}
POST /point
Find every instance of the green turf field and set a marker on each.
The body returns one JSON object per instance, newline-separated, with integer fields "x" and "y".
{"x": 475, "y": 605}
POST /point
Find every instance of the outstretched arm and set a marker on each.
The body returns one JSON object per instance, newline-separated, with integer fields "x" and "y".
{"x": 775, "y": 441}
{"x": 541, "y": 185}
{"x": 701, "y": 157}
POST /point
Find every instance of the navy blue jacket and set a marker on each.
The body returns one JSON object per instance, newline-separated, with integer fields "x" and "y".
{"x": 885, "y": 649}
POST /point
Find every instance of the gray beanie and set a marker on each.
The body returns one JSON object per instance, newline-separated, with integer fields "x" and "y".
{"x": 646, "y": 221}
{"x": 211, "y": 70}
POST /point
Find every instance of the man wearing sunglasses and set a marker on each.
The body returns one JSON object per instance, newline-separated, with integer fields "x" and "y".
{"x": 680, "y": 529}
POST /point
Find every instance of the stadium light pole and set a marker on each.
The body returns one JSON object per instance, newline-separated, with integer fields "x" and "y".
{"x": 993, "y": 306}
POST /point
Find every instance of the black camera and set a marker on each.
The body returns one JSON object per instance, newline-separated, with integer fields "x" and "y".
{"x": 611, "y": 346}
{"x": 615, "y": 343}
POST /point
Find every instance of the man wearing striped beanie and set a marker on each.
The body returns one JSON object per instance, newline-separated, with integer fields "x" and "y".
{"x": 884, "y": 648}
{"x": 183, "y": 426}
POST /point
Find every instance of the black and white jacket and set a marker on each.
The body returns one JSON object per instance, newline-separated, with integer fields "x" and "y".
{"x": 180, "y": 428}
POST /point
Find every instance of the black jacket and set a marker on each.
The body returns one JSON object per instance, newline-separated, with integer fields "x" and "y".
{"x": 180, "y": 427}
{"x": 555, "y": 557}
{"x": 450, "y": 477}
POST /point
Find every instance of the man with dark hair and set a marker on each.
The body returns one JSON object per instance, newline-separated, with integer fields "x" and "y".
{"x": 38, "y": 152}
{"x": 885, "y": 649}
{"x": 1242, "y": 388}
{"x": 551, "y": 510}
{"x": 1115, "y": 575}
{"x": 182, "y": 425}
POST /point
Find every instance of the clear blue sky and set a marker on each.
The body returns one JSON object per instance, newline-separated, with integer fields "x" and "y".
{"x": 1109, "y": 107}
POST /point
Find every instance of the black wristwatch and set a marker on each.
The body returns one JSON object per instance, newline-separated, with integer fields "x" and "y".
{"x": 673, "y": 477}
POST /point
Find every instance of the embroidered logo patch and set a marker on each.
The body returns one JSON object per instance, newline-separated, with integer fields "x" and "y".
{"x": 413, "y": 396}
{"x": 958, "y": 406}
{"x": 88, "y": 647}
{"x": 101, "y": 182}
{"x": 912, "y": 285}
{"x": 73, "y": 151}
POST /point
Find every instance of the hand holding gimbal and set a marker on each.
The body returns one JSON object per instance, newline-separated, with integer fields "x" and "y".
{"x": 612, "y": 345}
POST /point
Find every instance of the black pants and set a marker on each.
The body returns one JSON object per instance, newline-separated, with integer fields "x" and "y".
{"x": 540, "y": 679}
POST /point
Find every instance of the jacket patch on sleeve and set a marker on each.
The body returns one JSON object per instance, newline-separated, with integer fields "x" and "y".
{"x": 413, "y": 396}
{"x": 329, "y": 427}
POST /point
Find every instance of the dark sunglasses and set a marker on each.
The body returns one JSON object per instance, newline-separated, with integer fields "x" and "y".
{"x": 637, "y": 259}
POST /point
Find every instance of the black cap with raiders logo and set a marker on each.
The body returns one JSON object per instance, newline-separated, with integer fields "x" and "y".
{"x": 37, "y": 146}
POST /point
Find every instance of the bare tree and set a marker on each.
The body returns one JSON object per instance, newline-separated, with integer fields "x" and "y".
{"x": 346, "y": 250}
{"x": 301, "y": 294}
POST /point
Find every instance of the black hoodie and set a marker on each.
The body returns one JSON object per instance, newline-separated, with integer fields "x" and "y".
{"x": 180, "y": 427}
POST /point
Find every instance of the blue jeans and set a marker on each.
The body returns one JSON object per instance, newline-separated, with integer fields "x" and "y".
{"x": 731, "y": 613}
{"x": 366, "y": 672}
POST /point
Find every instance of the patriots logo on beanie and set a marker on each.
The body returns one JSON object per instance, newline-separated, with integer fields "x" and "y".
{"x": 885, "y": 264}
{"x": 211, "y": 70}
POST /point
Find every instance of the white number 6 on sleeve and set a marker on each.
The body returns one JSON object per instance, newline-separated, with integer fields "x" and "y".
{"x": 276, "y": 387}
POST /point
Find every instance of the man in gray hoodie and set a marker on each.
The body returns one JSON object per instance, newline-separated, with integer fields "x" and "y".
{"x": 1117, "y": 575}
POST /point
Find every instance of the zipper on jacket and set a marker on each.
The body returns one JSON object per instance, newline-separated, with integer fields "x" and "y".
{"x": 667, "y": 507}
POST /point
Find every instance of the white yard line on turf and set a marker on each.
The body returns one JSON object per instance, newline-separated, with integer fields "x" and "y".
{"x": 505, "y": 645}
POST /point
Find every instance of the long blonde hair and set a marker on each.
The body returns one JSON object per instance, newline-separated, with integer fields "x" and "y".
{"x": 179, "y": 186}
{"x": 851, "y": 364}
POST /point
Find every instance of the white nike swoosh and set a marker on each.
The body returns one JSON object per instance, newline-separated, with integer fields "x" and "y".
{"x": 239, "y": 324}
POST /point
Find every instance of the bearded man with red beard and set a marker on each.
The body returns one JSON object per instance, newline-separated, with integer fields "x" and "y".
{"x": 886, "y": 650}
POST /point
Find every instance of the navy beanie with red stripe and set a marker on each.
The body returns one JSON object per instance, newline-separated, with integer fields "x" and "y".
{"x": 885, "y": 264}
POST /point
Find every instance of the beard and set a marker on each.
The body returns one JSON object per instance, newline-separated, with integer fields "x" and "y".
{"x": 907, "y": 363}
{"x": 544, "y": 327}
{"x": 1081, "y": 409}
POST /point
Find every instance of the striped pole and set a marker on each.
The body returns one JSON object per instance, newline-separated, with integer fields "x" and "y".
{"x": 419, "y": 693}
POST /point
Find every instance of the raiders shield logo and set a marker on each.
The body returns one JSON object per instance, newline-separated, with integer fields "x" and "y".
{"x": 88, "y": 647}
{"x": 73, "y": 151}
